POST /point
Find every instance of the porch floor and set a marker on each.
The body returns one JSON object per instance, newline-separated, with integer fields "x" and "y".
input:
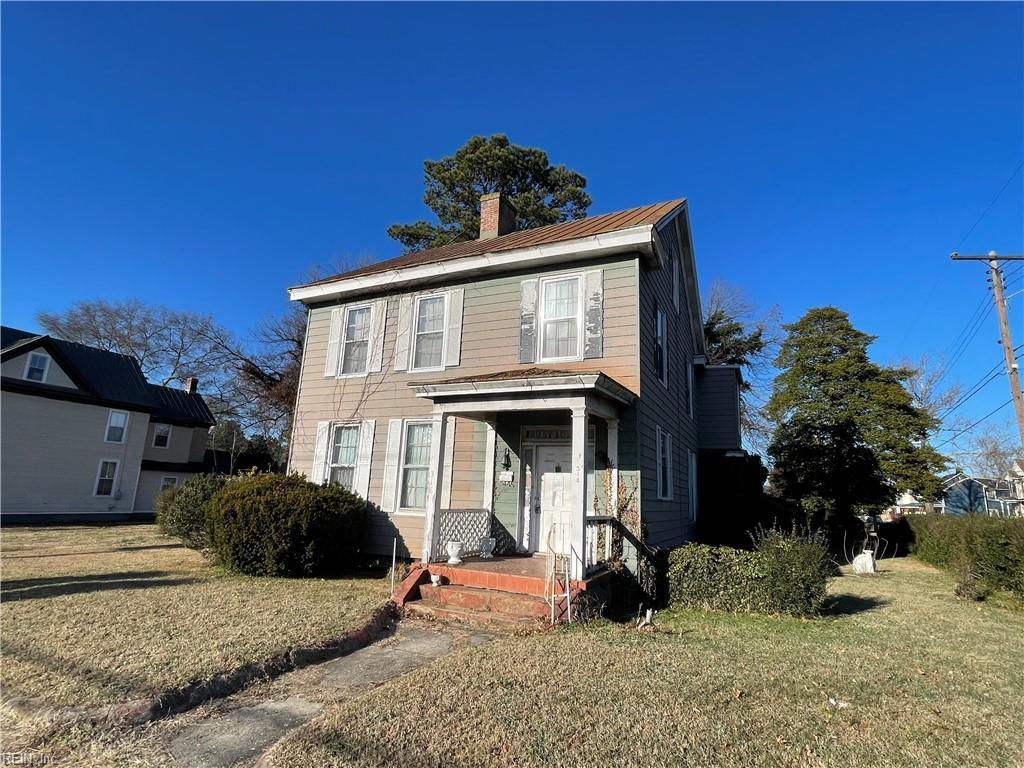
{"x": 509, "y": 565}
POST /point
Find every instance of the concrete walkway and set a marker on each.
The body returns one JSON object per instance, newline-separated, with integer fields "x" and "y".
{"x": 237, "y": 737}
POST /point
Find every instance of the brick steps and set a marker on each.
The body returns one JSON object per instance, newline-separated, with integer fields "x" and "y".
{"x": 494, "y": 601}
{"x": 490, "y": 619}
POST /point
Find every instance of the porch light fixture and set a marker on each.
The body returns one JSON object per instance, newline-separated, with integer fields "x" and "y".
{"x": 506, "y": 462}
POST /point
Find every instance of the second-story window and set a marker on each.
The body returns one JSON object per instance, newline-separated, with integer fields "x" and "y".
{"x": 661, "y": 344}
{"x": 560, "y": 319}
{"x": 117, "y": 423}
{"x": 428, "y": 332}
{"x": 356, "y": 342}
{"x": 161, "y": 435}
{"x": 37, "y": 366}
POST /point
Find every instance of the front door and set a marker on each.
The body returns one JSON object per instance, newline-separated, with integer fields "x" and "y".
{"x": 554, "y": 499}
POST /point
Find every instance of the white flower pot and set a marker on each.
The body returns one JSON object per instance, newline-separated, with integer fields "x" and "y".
{"x": 454, "y": 548}
{"x": 487, "y": 547}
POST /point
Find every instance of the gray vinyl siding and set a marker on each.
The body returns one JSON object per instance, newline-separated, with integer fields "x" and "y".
{"x": 52, "y": 451}
{"x": 55, "y": 375}
{"x": 667, "y": 521}
{"x": 490, "y": 344}
{"x": 149, "y": 487}
{"x": 187, "y": 444}
{"x": 718, "y": 415}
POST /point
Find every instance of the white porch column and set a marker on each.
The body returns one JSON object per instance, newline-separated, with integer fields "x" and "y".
{"x": 613, "y": 479}
{"x": 577, "y": 525}
{"x": 434, "y": 480}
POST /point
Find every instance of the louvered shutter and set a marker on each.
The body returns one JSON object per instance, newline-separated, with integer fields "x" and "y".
{"x": 319, "y": 470}
{"x": 453, "y": 340}
{"x": 528, "y": 321}
{"x": 402, "y": 337}
{"x": 364, "y": 454}
{"x": 378, "y": 326}
{"x": 388, "y": 497}
{"x": 593, "y": 314}
{"x": 334, "y": 341}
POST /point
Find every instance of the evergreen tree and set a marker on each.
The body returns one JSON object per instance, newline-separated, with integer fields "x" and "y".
{"x": 849, "y": 436}
{"x": 540, "y": 192}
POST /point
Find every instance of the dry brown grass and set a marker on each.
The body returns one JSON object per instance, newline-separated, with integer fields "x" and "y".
{"x": 901, "y": 674}
{"x": 93, "y": 615}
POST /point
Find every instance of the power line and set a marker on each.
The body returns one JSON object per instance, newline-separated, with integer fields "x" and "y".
{"x": 976, "y": 388}
{"x": 968, "y": 429}
{"x": 962, "y": 347}
{"x": 989, "y": 208}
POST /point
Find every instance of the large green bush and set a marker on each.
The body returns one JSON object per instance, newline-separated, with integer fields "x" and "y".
{"x": 988, "y": 550}
{"x": 787, "y": 573}
{"x": 182, "y": 512}
{"x": 283, "y": 525}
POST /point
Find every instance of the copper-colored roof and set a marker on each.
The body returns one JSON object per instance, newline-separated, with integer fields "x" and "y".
{"x": 553, "y": 233}
{"x": 511, "y": 375}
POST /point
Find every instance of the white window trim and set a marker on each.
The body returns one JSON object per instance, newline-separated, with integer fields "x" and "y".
{"x": 401, "y": 511}
{"x": 344, "y": 340}
{"x": 661, "y": 492}
{"x": 170, "y": 431}
{"x": 328, "y": 463}
{"x": 660, "y": 316}
{"x": 414, "y": 336}
{"x": 176, "y": 482}
{"x": 689, "y": 389}
{"x": 46, "y": 366}
{"x": 580, "y": 333}
{"x": 113, "y": 485}
{"x": 692, "y": 485}
{"x": 127, "y": 421}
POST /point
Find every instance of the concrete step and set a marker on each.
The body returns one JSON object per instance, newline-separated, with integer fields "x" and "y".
{"x": 490, "y": 619}
{"x": 474, "y": 598}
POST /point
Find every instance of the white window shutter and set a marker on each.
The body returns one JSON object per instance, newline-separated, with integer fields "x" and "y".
{"x": 364, "y": 454}
{"x": 378, "y": 323}
{"x": 323, "y": 436}
{"x": 334, "y": 342}
{"x": 402, "y": 338}
{"x": 453, "y": 340}
{"x": 593, "y": 314}
{"x": 528, "y": 321}
{"x": 389, "y": 496}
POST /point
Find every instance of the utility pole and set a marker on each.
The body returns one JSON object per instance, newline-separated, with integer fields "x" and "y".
{"x": 1012, "y": 370}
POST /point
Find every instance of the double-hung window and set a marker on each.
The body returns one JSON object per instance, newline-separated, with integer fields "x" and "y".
{"x": 560, "y": 337}
{"x": 168, "y": 482}
{"x": 35, "y": 369}
{"x": 161, "y": 435}
{"x": 105, "y": 478}
{"x": 428, "y": 338}
{"x": 415, "y": 466}
{"x": 664, "y": 459}
{"x": 117, "y": 425}
{"x": 356, "y": 340}
{"x": 341, "y": 462}
{"x": 661, "y": 344}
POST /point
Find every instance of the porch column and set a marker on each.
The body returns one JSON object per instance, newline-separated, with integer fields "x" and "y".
{"x": 613, "y": 479}
{"x": 434, "y": 478}
{"x": 577, "y": 525}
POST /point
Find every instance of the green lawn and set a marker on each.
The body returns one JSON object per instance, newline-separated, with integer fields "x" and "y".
{"x": 901, "y": 674}
{"x": 99, "y": 614}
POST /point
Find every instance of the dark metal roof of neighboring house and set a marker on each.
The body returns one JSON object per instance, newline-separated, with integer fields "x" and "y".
{"x": 177, "y": 406}
{"x": 104, "y": 376}
{"x": 525, "y": 238}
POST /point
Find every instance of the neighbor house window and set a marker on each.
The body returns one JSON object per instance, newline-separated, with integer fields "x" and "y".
{"x": 560, "y": 319}
{"x": 664, "y": 458}
{"x": 117, "y": 424}
{"x": 37, "y": 366}
{"x": 341, "y": 466}
{"x": 661, "y": 344}
{"x": 105, "y": 478}
{"x": 356, "y": 341}
{"x": 428, "y": 332}
{"x": 168, "y": 482}
{"x": 415, "y": 466}
{"x": 161, "y": 435}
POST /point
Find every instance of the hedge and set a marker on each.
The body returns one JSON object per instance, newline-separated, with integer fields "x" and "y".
{"x": 988, "y": 550}
{"x": 787, "y": 573}
{"x": 182, "y": 511}
{"x": 283, "y": 525}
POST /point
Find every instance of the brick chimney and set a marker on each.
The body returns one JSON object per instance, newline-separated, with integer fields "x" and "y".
{"x": 191, "y": 385}
{"x": 497, "y": 216}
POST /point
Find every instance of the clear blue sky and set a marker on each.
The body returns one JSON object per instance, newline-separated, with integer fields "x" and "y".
{"x": 206, "y": 156}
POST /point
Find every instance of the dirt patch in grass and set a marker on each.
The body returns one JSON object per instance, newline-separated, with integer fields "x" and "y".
{"x": 900, "y": 673}
{"x": 99, "y": 614}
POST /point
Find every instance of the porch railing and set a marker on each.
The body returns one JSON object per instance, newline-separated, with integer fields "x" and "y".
{"x": 599, "y": 549}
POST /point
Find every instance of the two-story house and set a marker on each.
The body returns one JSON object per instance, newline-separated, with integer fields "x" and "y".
{"x": 531, "y": 374}
{"x": 85, "y": 436}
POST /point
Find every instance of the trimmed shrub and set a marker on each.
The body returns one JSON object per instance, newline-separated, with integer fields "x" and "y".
{"x": 283, "y": 525}
{"x": 985, "y": 553}
{"x": 183, "y": 514}
{"x": 787, "y": 573}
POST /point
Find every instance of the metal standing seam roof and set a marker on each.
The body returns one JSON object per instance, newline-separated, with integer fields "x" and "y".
{"x": 526, "y": 238}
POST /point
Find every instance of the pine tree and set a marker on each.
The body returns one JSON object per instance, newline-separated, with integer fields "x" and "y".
{"x": 849, "y": 436}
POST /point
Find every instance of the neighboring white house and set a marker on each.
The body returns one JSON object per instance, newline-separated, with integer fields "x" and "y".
{"x": 85, "y": 436}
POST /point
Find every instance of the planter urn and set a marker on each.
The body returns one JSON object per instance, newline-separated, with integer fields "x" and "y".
{"x": 454, "y": 548}
{"x": 487, "y": 547}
